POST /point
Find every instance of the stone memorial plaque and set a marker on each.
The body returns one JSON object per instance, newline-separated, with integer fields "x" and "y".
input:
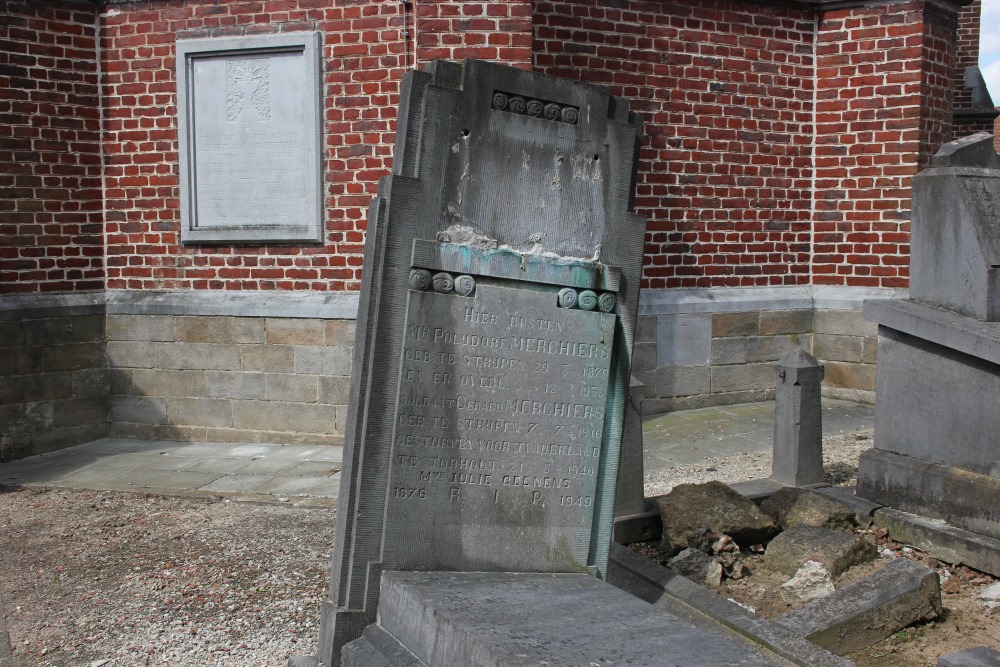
{"x": 250, "y": 139}
{"x": 498, "y": 431}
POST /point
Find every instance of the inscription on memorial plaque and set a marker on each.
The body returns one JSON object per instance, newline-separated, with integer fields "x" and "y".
{"x": 250, "y": 149}
{"x": 498, "y": 428}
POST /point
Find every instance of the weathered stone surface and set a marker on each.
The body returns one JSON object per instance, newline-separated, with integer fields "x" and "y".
{"x": 864, "y": 510}
{"x": 681, "y": 380}
{"x": 683, "y": 340}
{"x": 492, "y": 441}
{"x": 812, "y": 581}
{"x": 781, "y": 322}
{"x": 736, "y": 324}
{"x": 629, "y": 494}
{"x": 978, "y": 656}
{"x": 955, "y": 249}
{"x": 798, "y": 420}
{"x": 792, "y": 506}
{"x": 964, "y": 499}
{"x": 900, "y": 594}
{"x": 836, "y": 550}
{"x": 296, "y": 331}
{"x": 516, "y": 619}
{"x": 698, "y": 566}
{"x": 942, "y": 541}
{"x": 914, "y": 417}
{"x": 740, "y": 378}
{"x": 690, "y": 508}
{"x": 664, "y": 588}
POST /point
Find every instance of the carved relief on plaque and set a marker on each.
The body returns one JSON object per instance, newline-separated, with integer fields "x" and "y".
{"x": 248, "y": 90}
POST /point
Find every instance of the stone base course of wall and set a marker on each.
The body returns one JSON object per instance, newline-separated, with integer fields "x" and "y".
{"x": 700, "y": 348}
{"x": 230, "y": 379}
{"x": 53, "y": 377}
{"x": 266, "y": 368}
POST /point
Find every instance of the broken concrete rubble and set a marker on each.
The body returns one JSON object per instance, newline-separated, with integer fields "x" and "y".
{"x": 689, "y": 508}
{"x": 836, "y": 550}
{"x": 811, "y": 582}
{"x": 792, "y": 506}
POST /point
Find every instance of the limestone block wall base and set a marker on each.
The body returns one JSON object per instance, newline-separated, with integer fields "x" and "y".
{"x": 229, "y": 379}
{"x": 704, "y": 347}
{"x": 209, "y": 366}
{"x": 53, "y": 375}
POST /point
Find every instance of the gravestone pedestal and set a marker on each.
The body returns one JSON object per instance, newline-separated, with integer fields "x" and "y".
{"x": 938, "y": 413}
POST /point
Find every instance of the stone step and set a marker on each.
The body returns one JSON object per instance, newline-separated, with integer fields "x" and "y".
{"x": 503, "y": 619}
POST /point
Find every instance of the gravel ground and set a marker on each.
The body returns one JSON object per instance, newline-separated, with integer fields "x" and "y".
{"x": 840, "y": 464}
{"x": 110, "y": 579}
{"x": 146, "y": 580}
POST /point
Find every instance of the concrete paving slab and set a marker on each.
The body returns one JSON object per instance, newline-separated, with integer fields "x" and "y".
{"x": 216, "y": 464}
{"x": 235, "y": 482}
{"x": 267, "y": 466}
{"x": 166, "y": 462}
{"x": 294, "y": 486}
{"x": 202, "y": 449}
{"x": 95, "y": 476}
{"x": 248, "y": 451}
{"x": 328, "y": 453}
{"x": 297, "y": 452}
{"x": 312, "y": 469}
{"x": 328, "y": 487}
{"x": 172, "y": 480}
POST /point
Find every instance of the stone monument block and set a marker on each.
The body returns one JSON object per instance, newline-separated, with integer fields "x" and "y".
{"x": 955, "y": 243}
{"x": 495, "y": 332}
{"x": 936, "y": 453}
{"x": 250, "y": 150}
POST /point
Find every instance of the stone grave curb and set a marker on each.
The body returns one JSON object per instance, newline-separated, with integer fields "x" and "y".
{"x": 903, "y": 592}
{"x": 307, "y": 502}
{"x": 631, "y": 572}
{"x": 941, "y": 540}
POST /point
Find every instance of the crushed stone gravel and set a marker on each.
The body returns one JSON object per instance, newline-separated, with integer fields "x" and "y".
{"x": 133, "y": 579}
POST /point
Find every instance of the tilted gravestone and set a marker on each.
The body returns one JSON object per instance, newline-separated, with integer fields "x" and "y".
{"x": 496, "y": 322}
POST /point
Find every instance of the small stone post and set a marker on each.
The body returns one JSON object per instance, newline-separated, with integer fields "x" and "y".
{"x": 798, "y": 420}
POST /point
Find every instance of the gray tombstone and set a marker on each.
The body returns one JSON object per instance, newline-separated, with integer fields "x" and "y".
{"x": 798, "y": 420}
{"x": 955, "y": 244}
{"x": 496, "y": 322}
{"x": 250, "y": 150}
{"x": 938, "y": 411}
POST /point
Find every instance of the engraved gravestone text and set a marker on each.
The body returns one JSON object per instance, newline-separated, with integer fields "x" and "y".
{"x": 499, "y": 421}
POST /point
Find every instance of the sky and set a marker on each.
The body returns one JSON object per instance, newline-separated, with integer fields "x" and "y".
{"x": 989, "y": 47}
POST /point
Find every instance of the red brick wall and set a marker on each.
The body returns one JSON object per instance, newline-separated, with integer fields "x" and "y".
{"x": 363, "y": 61}
{"x": 967, "y": 51}
{"x": 745, "y": 113}
{"x": 50, "y": 187}
{"x": 726, "y": 93}
{"x": 453, "y": 30}
{"x": 882, "y": 108}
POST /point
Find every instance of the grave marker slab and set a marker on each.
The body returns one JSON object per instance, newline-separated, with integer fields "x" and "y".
{"x": 496, "y": 322}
